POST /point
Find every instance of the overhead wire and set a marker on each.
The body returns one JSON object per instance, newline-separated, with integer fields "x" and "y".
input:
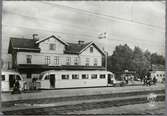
{"x": 138, "y": 39}
{"x": 104, "y": 15}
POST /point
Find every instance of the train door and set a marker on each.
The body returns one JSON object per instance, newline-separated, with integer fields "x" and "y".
{"x": 109, "y": 78}
{"x": 11, "y": 80}
{"x": 52, "y": 80}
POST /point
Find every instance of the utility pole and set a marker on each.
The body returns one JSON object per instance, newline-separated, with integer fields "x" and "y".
{"x": 103, "y": 36}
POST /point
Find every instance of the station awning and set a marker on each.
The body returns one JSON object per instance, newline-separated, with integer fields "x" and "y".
{"x": 33, "y": 68}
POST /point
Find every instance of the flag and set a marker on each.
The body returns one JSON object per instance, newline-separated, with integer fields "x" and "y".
{"x": 102, "y": 35}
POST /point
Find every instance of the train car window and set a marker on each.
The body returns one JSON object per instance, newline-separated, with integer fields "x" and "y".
{"x": 3, "y": 77}
{"x": 85, "y": 76}
{"x": 75, "y": 76}
{"x": 18, "y": 77}
{"x": 41, "y": 75}
{"x": 110, "y": 76}
{"x": 46, "y": 77}
{"x": 102, "y": 76}
{"x": 63, "y": 77}
{"x": 94, "y": 76}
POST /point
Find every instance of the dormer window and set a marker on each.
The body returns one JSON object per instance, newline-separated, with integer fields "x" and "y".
{"x": 52, "y": 46}
{"x": 91, "y": 49}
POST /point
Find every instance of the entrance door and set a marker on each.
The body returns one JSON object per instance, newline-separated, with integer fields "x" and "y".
{"x": 110, "y": 81}
{"x": 11, "y": 81}
{"x": 52, "y": 80}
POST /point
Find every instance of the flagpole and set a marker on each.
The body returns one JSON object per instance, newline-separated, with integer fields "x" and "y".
{"x": 105, "y": 52}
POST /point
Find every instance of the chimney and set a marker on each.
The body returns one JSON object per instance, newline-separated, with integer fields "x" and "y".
{"x": 35, "y": 37}
{"x": 80, "y": 42}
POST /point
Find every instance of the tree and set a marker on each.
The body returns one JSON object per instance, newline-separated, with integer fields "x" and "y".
{"x": 141, "y": 62}
{"x": 124, "y": 58}
{"x": 121, "y": 59}
{"x": 157, "y": 59}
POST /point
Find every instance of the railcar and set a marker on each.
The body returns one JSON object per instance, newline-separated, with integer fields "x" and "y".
{"x": 74, "y": 79}
{"x": 8, "y": 79}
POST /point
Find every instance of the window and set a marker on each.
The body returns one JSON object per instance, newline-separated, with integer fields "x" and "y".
{"x": 56, "y": 60}
{"x": 94, "y": 76}
{"x": 52, "y": 46}
{"x": 110, "y": 76}
{"x": 46, "y": 77}
{"x": 102, "y": 76}
{"x": 68, "y": 61}
{"x": 157, "y": 75}
{"x": 75, "y": 76}
{"x": 76, "y": 61}
{"x": 91, "y": 49}
{"x": 87, "y": 62}
{"x": 64, "y": 77}
{"x": 85, "y": 76}
{"x": 160, "y": 75}
{"x": 3, "y": 77}
{"x": 95, "y": 62}
{"x": 18, "y": 77}
{"x": 47, "y": 59}
{"x": 28, "y": 57}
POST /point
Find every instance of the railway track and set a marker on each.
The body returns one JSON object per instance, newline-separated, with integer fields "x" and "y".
{"x": 77, "y": 98}
{"x": 65, "y": 105}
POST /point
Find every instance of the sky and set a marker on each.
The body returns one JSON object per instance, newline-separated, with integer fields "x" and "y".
{"x": 135, "y": 23}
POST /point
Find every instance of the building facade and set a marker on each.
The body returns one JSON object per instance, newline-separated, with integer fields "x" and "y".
{"x": 158, "y": 71}
{"x": 32, "y": 56}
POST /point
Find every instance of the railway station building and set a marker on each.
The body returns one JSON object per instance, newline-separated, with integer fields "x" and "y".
{"x": 30, "y": 57}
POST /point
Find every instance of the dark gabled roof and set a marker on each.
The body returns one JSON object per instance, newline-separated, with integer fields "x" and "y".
{"x": 51, "y": 37}
{"x": 22, "y": 44}
{"x": 75, "y": 48}
{"x": 30, "y": 45}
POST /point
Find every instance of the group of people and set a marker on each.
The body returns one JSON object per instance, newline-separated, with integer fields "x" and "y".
{"x": 28, "y": 85}
{"x": 148, "y": 81}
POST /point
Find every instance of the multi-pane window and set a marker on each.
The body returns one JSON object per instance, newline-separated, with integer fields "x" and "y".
{"x": 87, "y": 62}
{"x": 68, "y": 61}
{"x": 102, "y": 76}
{"x": 85, "y": 76}
{"x": 95, "y": 62}
{"x": 91, "y": 49}
{"x": 64, "y": 77}
{"x": 76, "y": 61}
{"x": 47, "y": 59}
{"x": 94, "y": 76}
{"x": 75, "y": 76}
{"x": 56, "y": 60}
{"x": 28, "y": 57}
{"x": 52, "y": 46}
